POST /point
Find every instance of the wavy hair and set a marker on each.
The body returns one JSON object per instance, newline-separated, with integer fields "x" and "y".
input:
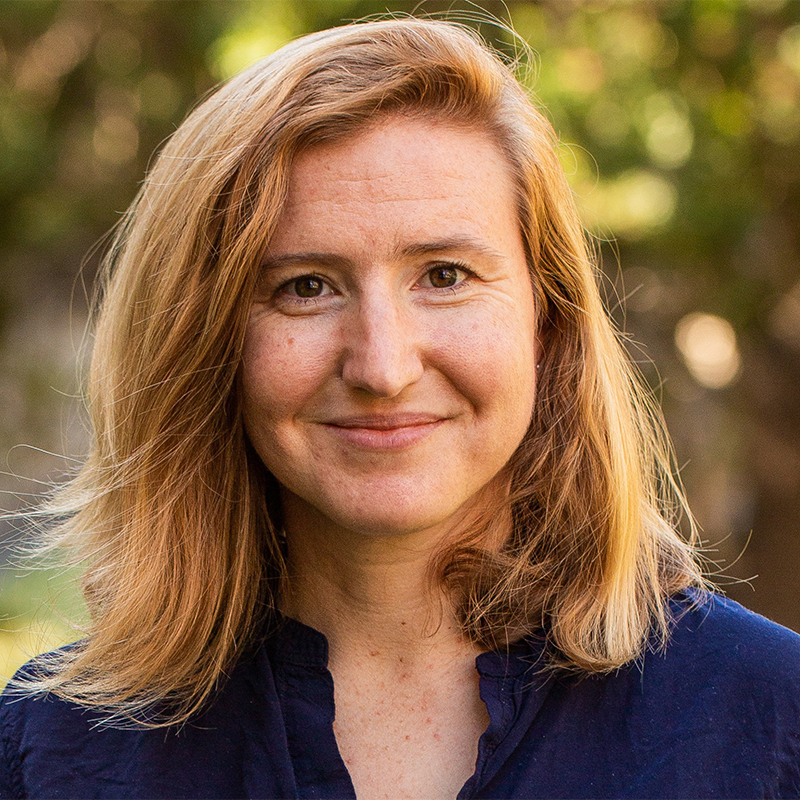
{"x": 175, "y": 517}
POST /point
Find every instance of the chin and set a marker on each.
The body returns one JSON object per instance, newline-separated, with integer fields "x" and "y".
{"x": 392, "y": 522}
{"x": 385, "y": 514}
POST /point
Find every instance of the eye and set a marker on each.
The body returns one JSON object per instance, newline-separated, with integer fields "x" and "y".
{"x": 444, "y": 276}
{"x": 306, "y": 286}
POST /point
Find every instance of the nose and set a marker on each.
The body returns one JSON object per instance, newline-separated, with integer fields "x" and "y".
{"x": 382, "y": 353}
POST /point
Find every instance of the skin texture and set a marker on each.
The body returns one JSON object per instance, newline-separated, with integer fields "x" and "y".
{"x": 388, "y": 377}
{"x": 450, "y": 371}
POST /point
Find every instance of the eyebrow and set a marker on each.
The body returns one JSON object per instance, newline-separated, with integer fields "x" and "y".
{"x": 446, "y": 244}
{"x": 290, "y": 259}
{"x": 451, "y": 243}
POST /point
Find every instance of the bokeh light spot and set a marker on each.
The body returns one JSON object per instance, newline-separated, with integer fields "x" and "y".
{"x": 633, "y": 205}
{"x": 670, "y": 136}
{"x": 116, "y": 139}
{"x": 709, "y": 349}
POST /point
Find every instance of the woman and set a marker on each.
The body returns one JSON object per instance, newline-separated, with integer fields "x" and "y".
{"x": 376, "y": 504}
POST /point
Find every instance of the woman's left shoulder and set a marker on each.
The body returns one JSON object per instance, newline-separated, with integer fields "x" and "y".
{"x": 717, "y": 620}
{"x": 713, "y": 633}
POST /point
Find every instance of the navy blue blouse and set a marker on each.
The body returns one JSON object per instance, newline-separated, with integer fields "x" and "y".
{"x": 715, "y": 716}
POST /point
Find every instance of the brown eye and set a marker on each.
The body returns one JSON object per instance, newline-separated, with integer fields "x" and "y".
{"x": 443, "y": 277}
{"x": 308, "y": 286}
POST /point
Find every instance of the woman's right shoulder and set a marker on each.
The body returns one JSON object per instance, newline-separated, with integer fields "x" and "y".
{"x": 11, "y": 781}
{"x": 53, "y": 747}
{"x": 28, "y": 715}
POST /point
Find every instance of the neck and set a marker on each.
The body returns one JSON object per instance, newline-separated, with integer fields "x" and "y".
{"x": 374, "y": 594}
{"x": 367, "y": 594}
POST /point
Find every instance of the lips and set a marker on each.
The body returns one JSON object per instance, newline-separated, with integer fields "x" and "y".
{"x": 385, "y": 431}
{"x": 386, "y": 422}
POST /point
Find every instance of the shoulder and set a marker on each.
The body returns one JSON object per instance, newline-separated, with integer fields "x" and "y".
{"x": 31, "y": 721}
{"x": 725, "y": 676}
{"x": 10, "y": 750}
{"x": 52, "y": 747}
{"x": 730, "y": 672}
{"x": 712, "y": 632}
{"x": 25, "y": 705}
{"x": 713, "y": 713}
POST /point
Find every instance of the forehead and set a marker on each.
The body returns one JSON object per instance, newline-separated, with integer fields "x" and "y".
{"x": 401, "y": 178}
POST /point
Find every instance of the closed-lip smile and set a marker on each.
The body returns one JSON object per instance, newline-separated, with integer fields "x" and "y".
{"x": 386, "y": 422}
{"x": 385, "y": 431}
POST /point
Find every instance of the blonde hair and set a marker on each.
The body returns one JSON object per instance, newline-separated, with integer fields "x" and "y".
{"x": 177, "y": 519}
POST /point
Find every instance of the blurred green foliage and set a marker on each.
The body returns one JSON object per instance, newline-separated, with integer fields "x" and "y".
{"x": 680, "y": 124}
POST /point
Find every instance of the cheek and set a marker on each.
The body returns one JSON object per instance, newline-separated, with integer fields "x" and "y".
{"x": 492, "y": 361}
{"x": 281, "y": 370}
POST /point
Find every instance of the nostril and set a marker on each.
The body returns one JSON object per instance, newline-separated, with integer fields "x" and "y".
{"x": 382, "y": 364}
{"x": 382, "y": 375}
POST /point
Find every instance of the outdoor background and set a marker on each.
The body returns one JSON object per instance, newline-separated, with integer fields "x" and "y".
{"x": 680, "y": 124}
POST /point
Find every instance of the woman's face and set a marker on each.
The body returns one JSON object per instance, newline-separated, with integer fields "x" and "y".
{"x": 388, "y": 370}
